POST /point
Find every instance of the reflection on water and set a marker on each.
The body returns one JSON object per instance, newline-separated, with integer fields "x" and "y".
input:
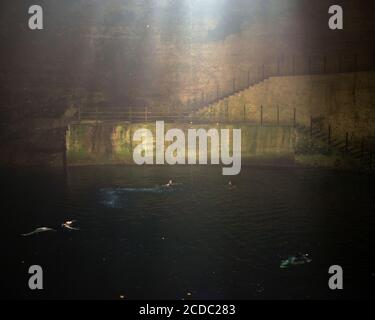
{"x": 138, "y": 238}
{"x": 117, "y": 197}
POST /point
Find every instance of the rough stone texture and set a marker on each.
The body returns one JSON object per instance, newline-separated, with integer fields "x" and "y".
{"x": 111, "y": 143}
{"x": 345, "y": 101}
{"x": 122, "y": 53}
{"x": 129, "y": 53}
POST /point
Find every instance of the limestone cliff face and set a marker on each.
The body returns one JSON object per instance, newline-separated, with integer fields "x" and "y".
{"x": 158, "y": 54}
{"x": 344, "y": 101}
{"x": 112, "y": 143}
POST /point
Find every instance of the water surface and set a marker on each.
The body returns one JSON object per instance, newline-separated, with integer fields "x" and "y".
{"x": 142, "y": 240}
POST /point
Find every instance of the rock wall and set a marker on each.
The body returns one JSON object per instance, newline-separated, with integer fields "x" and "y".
{"x": 344, "y": 101}
{"x": 111, "y": 142}
{"x": 118, "y": 54}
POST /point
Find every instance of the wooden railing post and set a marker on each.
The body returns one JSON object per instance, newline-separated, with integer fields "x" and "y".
{"x": 261, "y": 115}
{"x": 146, "y": 115}
{"x": 244, "y": 112}
{"x": 294, "y": 117}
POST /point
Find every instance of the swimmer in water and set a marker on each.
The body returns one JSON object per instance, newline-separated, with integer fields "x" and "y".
{"x": 231, "y": 185}
{"x": 169, "y": 184}
{"x": 38, "y": 230}
{"x": 295, "y": 260}
{"x": 69, "y": 225}
{"x": 66, "y": 225}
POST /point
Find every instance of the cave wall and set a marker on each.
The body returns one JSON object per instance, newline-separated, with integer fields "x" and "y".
{"x": 158, "y": 54}
{"x": 112, "y": 143}
{"x": 345, "y": 101}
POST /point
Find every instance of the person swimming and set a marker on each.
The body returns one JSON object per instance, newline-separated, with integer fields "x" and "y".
{"x": 65, "y": 225}
{"x": 169, "y": 184}
{"x": 231, "y": 185}
{"x": 298, "y": 259}
{"x": 69, "y": 225}
{"x": 37, "y": 230}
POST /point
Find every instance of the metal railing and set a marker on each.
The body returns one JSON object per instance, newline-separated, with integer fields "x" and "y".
{"x": 132, "y": 116}
{"x": 315, "y": 127}
{"x": 294, "y": 65}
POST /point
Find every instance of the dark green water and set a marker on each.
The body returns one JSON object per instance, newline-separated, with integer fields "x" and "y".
{"x": 141, "y": 240}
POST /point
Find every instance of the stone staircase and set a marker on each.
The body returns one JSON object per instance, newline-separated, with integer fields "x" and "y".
{"x": 227, "y": 96}
{"x": 265, "y": 91}
{"x": 321, "y": 142}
